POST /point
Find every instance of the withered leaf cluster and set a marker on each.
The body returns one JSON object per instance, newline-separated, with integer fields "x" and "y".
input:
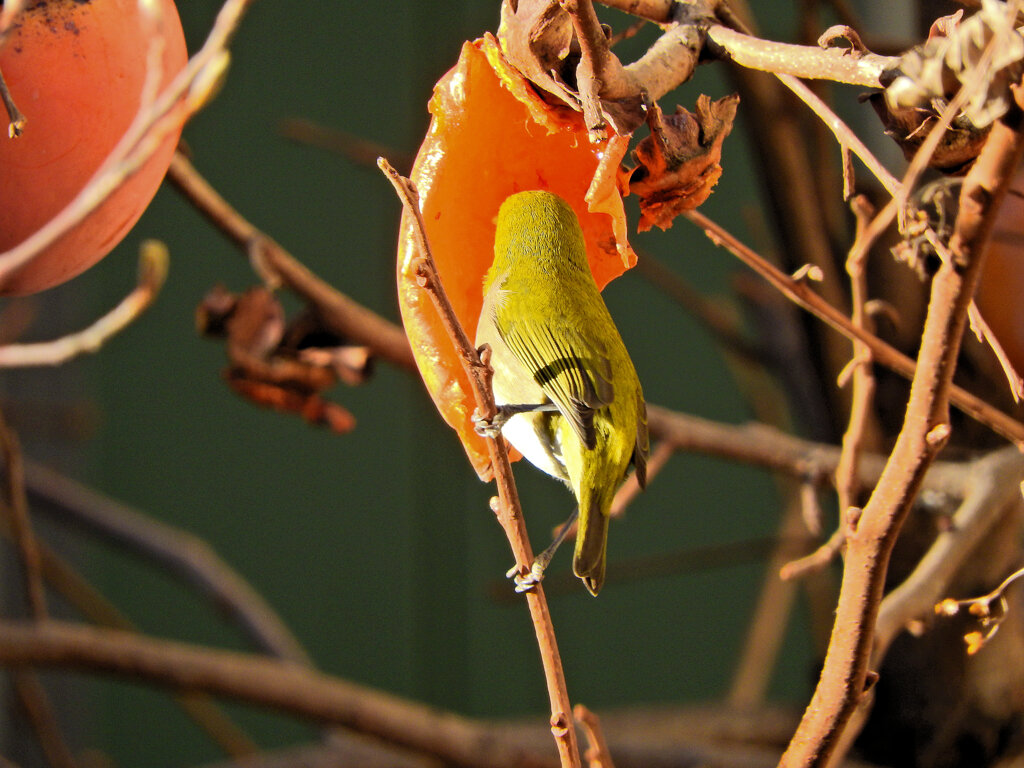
{"x": 279, "y": 363}
{"x": 984, "y": 53}
{"x": 538, "y": 38}
{"x": 678, "y": 164}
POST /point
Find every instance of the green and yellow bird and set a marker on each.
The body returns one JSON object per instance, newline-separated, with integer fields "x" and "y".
{"x": 571, "y": 396}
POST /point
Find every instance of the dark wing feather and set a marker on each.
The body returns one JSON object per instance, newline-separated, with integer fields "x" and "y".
{"x": 577, "y": 385}
{"x": 642, "y": 448}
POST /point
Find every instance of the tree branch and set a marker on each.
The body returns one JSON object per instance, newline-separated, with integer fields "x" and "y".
{"x": 179, "y": 552}
{"x": 153, "y": 262}
{"x": 507, "y": 508}
{"x": 871, "y": 537}
{"x": 338, "y": 312}
{"x": 802, "y": 294}
{"x": 283, "y": 686}
{"x": 806, "y": 61}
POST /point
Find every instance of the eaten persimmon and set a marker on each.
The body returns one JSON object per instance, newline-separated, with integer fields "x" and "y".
{"x": 491, "y": 134}
{"x": 76, "y": 69}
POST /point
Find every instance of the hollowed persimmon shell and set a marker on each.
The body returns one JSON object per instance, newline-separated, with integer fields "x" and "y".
{"x": 491, "y": 134}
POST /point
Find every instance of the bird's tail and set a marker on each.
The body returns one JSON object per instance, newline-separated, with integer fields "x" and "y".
{"x": 591, "y": 544}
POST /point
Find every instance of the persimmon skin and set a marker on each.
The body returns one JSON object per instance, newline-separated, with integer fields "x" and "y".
{"x": 1000, "y": 294}
{"x": 76, "y": 69}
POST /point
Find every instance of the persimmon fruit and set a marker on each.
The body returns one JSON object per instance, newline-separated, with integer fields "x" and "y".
{"x": 76, "y": 70}
{"x": 1000, "y": 291}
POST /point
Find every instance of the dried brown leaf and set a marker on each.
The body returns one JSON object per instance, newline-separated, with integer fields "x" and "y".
{"x": 678, "y": 164}
{"x": 538, "y": 39}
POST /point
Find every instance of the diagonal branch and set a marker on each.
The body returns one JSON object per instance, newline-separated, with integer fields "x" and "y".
{"x": 507, "y": 508}
{"x": 152, "y": 273}
{"x": 179, "y": 552}
{"x": 339, "y": 313}
{"x": 801, "y": 293}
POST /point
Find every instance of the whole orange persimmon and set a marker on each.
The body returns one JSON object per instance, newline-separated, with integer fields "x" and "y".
{"x": 76, "y": 70}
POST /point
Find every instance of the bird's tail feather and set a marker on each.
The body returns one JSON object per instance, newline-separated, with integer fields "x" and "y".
{"x": 591, "y": 544}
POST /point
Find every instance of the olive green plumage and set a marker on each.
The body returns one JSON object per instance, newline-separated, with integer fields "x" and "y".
{"x": 553, "y": 341}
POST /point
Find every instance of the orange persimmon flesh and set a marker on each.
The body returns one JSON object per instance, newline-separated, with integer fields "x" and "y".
{"x": 490, "y": 136}
{"x": 76, "y": 69}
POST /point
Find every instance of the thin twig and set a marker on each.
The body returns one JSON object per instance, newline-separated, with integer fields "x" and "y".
{"x": 844, "y": 135}
{"x": 897, "y": 206}
{"x": 769, "y": 620}
{"x": 339, "y": 313}
{"x": 863, "y": 379}
{"x": 994, "y": 483}
{"x": 90, "y": 603}
{"x": 802, "y": 294}
{"x": 357, "y": 149}
{"x": 31, "y": 692}
{"x": 41, "y": 715}
{"x": 180, "y": 552}
{"x": 597, "y": 754}
{"x": 630, "y": 489}
{"x": 655, "y": 10}
{"x": 761, "y": 445}
{"x": 720, "y": 322}
{"x": 631, "y": 31}
{"x": 985, "y": 335}
{"x": 21, "y": 526}
{"x": 992, "y": 486}
{"x": 153, "y": 262}
{"x": 817, "y": 559}
{"x": 508, "y": 509}
{"x": 16, "y": 121}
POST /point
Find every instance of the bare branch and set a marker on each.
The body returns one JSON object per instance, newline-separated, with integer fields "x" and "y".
{"x": 994, "y": 483}
{"x": 180, "y": 552}
{"x": 153, "y": 262}
{"x": 805, "y": 61}
{"x": 283, "y": 686}
{"x": 655, "y": 10}
{"x": 41, "y": 715}
{"x": 844, "y": 135}
{"x": 16, "y": 502}
{"x": 507, "y": 508}
{"x": 886, "y": 355}
{"x": 338, "y": 312}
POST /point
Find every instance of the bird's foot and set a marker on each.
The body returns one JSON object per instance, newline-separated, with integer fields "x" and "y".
{"x": 492, "y": 427}
{"x": 526, "y": 582}
{"x": 489, "y": 427}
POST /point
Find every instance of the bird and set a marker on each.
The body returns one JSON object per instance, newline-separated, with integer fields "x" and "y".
{"x": 568, "y": 396}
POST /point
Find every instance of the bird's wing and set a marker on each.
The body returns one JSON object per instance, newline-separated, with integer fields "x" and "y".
{"x": 576, "y": 382}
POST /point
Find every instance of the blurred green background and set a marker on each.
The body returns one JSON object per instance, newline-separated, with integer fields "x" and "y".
{"x": 378, "y": 548}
